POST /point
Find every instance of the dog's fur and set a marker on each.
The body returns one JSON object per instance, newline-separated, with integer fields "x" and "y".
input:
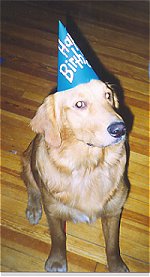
{"x": 75, "y": 168}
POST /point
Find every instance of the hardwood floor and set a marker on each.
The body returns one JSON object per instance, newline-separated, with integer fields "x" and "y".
{"x": 116, "y": 32}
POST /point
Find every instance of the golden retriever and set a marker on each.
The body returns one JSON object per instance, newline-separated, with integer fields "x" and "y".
{"x": 75, "y": 167}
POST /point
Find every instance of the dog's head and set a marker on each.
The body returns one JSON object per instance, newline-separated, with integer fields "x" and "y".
{"x": 86, "y": 113}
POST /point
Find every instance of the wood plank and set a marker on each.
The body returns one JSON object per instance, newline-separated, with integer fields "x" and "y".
{"x": 89, "y": 245}
{"x": 35, "y": 258}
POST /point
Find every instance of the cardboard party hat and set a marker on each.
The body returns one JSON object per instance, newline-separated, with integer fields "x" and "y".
{"x": 73, "y": 68}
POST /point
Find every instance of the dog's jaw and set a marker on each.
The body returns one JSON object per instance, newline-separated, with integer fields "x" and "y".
{"x": 114, "y": 142}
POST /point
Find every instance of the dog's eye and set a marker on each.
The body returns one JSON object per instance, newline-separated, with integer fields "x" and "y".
{"x": 80, "y": 105}
{"x": 108, "y": 96}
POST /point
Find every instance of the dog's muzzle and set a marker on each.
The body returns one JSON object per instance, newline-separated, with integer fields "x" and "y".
{"x": 117, "y": 129}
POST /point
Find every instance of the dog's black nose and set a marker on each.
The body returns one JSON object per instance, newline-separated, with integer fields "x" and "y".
{"x": 117, "y": 129}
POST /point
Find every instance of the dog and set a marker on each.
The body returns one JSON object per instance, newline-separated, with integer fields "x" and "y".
{"x": 75, "y": 167}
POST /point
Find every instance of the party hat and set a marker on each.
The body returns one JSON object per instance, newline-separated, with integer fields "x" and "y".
{"x": 73, "y": 68}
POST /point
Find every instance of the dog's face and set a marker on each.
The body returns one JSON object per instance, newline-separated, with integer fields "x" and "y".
{"x": 85, "y": 113}
{"x": 88, "y": 110}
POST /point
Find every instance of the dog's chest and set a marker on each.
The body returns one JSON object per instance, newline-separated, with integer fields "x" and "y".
{"x": 85, "y": 190}
{"x": 89, "y": 190}
{"x": 82, "y": 178}
{"x": 82, "y": 189}
{"x": 85, "y": 195}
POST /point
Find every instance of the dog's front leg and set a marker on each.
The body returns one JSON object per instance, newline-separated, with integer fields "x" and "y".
{"x": 56, "y": 261}
{"x": 111, "y": 226}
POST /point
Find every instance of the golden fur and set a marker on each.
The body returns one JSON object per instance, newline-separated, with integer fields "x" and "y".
{"x": 74, "y": 163}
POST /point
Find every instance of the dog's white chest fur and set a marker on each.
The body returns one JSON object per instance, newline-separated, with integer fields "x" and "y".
{"x": 81, "y": 192}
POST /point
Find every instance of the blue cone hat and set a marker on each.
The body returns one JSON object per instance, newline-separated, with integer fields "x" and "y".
{"x": 73, "y": 68}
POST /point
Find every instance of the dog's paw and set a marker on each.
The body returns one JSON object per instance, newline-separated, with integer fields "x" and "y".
{"x": 34, "y": 213}
{"x": 54, "y": 265}
{"x": 118, "y": 267}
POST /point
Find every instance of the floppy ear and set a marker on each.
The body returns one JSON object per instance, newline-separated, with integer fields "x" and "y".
{"x": 45, "y": 123}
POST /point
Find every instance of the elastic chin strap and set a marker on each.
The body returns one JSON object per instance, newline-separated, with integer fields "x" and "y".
{"x": 90, "y": 144}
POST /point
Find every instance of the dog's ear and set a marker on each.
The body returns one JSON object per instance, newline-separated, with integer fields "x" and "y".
{"x": 45, "y": 123}
{"x": 116, "y": 101}
{"x": 115, "y": 98}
